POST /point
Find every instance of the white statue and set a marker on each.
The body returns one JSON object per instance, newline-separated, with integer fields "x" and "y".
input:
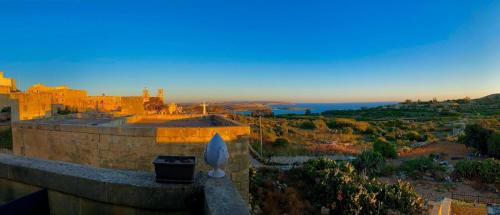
{"x": 216, "y": 156}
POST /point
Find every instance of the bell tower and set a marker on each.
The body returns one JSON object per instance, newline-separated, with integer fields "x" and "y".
{"x": 145, "y": 93}
{"x": 161, "y": 94}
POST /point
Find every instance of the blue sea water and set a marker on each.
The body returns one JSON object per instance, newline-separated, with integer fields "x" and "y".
{"x": 320, "y": 107}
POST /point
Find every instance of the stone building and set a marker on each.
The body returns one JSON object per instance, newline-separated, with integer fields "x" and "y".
{"x": 43, "y": 101}
{"x": 103, "y": 103}
{"x": 61, "y": 95}
{"x": 7, "y": 85}
{"x": 132, "y": 105}
{"x": 161, "y": 94}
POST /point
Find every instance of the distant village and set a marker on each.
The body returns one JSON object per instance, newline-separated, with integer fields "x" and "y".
{"x": 40, "y": 101}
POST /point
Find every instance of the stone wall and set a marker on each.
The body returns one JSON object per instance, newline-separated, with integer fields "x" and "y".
{"x": 112, "y": 146}
{"x": 7, "y": 84}
{"x": 30, "y": 106}
{"x": 79, "y": 189}
{"x": 103, "y": 103}
{"x": 132, "y": 105}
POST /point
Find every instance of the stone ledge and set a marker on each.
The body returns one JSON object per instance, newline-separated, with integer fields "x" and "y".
{"x": 222, "y": 198}
{"x": 128, "y": 188}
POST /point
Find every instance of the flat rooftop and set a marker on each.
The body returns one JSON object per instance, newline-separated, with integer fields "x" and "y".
{"x": 152, "y": 121}
{"x": 73, "y": 121}
{"x": 190, "y": 122}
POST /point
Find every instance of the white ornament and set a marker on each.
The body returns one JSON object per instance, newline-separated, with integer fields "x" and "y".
{"x": 216, "y": 156}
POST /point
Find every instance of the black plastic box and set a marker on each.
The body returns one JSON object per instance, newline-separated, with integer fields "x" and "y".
{"x": 175, "y": 169}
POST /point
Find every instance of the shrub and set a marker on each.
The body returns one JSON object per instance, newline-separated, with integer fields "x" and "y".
{"x": 494, "y": 145}
{"x": 281, "y": 142}
{"x": 339, "y": 123}
{"x": 467, "y": 168}
{"x": 477, "y": 136}
{"x": 308, "y": 112}
{"x": 370, "y": 162}
{"x": 385, "y": 148}
{"x": 413, "y": 135}
{"x": 273, "y": 196}
{"x": 307, "y": 125}
{"x": 487, "y": 171}
{"x": 320, "y": 124}
{"x": 417, "y": 167}
{"x": 339, "y": 187}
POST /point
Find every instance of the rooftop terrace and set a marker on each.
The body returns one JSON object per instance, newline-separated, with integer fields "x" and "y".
{"x": 141, "y": 121}
{"x": 132, "y": 142}
{"x": 191, "y": 122}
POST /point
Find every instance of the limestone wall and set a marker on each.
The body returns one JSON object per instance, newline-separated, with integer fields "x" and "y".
{"x": 8, "y": 84}
{"x": 79, "y": 189}
{"x": 132, "y": 105}
{"x": 130, "y": 148}
{"x": 30, "y": 106}
{"x": 103, "y": 103}
{"x": 137, "y": 118}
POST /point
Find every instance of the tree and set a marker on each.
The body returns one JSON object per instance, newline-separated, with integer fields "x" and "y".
{"x": 476, "y": 136}
{"x": 308, "y": 112}
{"x": 385, "y": 148}
{"x": 413, "y": 135}
{"x": 494, "y": 145}
{"x": 370, "y": 162}
{"x": 153, "y": 104}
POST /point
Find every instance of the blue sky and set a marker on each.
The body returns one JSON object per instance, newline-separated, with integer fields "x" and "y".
{"x": 302, "y": 51}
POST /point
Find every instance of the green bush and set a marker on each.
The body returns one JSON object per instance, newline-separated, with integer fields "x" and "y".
{"x": 487, "y": 171}
{"x": 385, "y": 148}
{"x": 413, "y": 135}
{"x": 339, "y": 187}
{"x": 467, "y": 168}
{"x": 420, "y": 166}
{"x": 370, "y": 162}
{"x": 281, "y": 142}
{"x": 307, "y": 125}
{"x": 320, "y": 124}
{"x": 480, "y": 136}
{"x": 340, "y": 123}
{"x": 494, "y": 145}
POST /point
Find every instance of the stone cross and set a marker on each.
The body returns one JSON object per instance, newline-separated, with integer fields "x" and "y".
{"x": 204, "y": 105}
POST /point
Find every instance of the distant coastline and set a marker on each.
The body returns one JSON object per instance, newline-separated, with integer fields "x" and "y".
{"x": 316, "y": 108}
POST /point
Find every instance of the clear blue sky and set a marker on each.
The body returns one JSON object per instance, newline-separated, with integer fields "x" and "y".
{"x": 303, "y": 51}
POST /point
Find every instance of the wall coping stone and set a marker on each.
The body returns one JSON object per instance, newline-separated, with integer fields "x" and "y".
{"x": 122, "y": 187}
{"x": 222, "y": 198}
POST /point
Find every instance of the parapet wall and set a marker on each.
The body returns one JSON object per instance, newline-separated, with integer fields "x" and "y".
{"x": 80, "y": 189}
{"x": 136, "y": 118}
{"x": 109, "y": 145}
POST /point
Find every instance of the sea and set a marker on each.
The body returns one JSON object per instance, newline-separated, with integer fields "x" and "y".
{"x": 300, "y": 108}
